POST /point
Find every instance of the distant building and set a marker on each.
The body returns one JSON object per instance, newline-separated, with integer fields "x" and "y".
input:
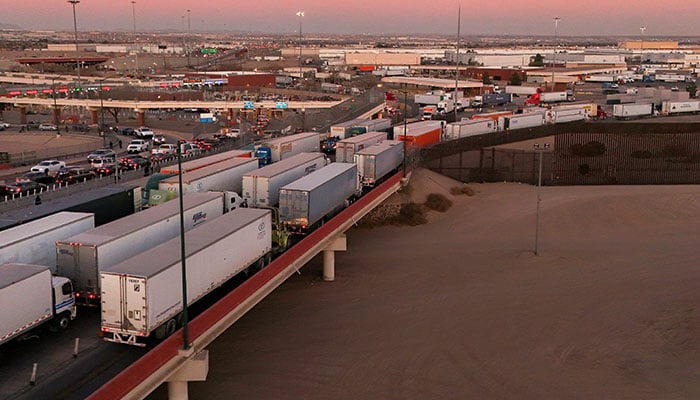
{"x": 648, "y": 45}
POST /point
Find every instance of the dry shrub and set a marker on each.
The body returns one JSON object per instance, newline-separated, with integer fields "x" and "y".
{"x": 438, "y": 202}
{"x": 411, "y": 214}
{"x": 458, "y": 190}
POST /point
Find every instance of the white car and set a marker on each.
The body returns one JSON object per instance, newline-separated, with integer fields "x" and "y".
{"x": 4, "y": 125}
{"x": 47, "y": 166}
{"x": 47, "y": 127}
{"x": 145, "y": 132}
{"x": 233, "y": 133}
{"x": 165, "y": 149}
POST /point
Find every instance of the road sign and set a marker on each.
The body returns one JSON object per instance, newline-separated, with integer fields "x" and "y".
{"x": 206, "y": 117}
{"x": 248, "y": 105}
{"x": 281, "y": 104}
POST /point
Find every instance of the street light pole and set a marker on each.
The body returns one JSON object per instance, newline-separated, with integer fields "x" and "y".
{"x": 187, "y": 46}
{"x": 300, "y": 14}
{"x": 133, "y": 15}
{"x": 539, "y": 198}
{"x": 55, "y": 104}
{"x": 641, "y": 46}
{"x": 102, "y": 114}
{"x": 75, "y": 32}
{"x": 459, "y": 20}
{"x": 405, "y": 126}
{"x": 185, "y": 331}
{"x": 554, "y": 52}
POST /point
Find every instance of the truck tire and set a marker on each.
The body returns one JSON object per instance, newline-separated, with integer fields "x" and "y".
{"x": 62, "y": 321}
{"x": 170, "y": 327}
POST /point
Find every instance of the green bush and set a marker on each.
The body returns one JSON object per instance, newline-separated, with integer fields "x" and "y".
{"x": 411, "y": 214}
{"x": 438, "y": 202}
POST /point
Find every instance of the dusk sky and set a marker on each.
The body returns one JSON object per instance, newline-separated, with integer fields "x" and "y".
{"x": 600, "y": 17}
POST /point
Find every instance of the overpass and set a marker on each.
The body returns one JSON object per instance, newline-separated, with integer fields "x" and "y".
{"x": 168, "y": 362}
{"x": 140, "y": 107}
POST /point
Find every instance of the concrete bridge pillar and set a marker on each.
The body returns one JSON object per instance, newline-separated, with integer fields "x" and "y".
{"x": 22, "y": 115}
{"x": 195, "y": 369}
{"x": 338, "y": 244}
{"x": 93, "y": 116}
{"x": 56, "y": 115}
{"x": 140, "y": 116}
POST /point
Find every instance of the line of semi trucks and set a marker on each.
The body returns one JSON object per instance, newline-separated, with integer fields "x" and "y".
{"x": 238, "y": 216}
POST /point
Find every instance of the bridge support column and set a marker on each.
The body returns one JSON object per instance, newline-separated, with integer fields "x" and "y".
{"x": 22, "y": 115}
{"x": 338, "y": 244}
{"x": 140, "y": 117}
{"x": 57, "y": 116}
{"x": 195, "y": 369}
{"x": 93, "y": 116}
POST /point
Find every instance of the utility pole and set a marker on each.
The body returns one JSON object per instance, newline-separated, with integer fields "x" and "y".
{"x": 75, "y": 31}
{"x": 554, "y": 59}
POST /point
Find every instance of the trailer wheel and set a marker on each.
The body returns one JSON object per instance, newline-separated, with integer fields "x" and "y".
{"x": 170, "y": 327}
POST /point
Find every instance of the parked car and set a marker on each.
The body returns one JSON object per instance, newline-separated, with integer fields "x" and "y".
{"x": 48, "y": 166}
{"x": 4, "y": 125}
{"x": 27, "y": 188}
{"x": 137, "y": 146}
{"x": 75, "y": 174}
{"x": 33, "y": 124}
{"x": 158, "y": 139}
{"x": 165, "y": 149}
{"x": 40, "y": 177}
{"x": 101, "y": 153}
{"x": 134, "y": 161}
{"x": 145, "y": 132}
{"x": 129, "y": 131}
{"x": 45, "y": 126}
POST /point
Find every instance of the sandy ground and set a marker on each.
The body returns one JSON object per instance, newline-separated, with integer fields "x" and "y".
{"x": 461, "y": 308}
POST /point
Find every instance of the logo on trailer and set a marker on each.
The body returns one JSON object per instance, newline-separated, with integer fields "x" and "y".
{"x": 199, "y": 217}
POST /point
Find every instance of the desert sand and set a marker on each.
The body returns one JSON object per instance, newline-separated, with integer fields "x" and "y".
{"x": 461, "y": 308}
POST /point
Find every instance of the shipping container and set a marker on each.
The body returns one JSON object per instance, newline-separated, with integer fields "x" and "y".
{"x": 261, "y": 187}
{"x": 521, "y": 121}
{"x": 420, "y": 134}
{"x": 346, "y": 148}
{"x": 680, "y": 107}
{"x": 35, "y": 242}
{"x": 632, "y": 110}
{"x": 82, "y": 256}
{"x": 375, "y": 162}
{"x": 142, "y": 295}
{"x": 317, "y": 196}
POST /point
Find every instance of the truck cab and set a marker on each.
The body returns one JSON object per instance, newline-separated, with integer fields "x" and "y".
{"x": 65, "y": 308}
{"x": 264, "y": 155}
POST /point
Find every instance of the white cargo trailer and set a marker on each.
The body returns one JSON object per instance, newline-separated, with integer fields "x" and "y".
{"x": 375, "y": 162}
{"x": 142, "y": 295}
{"x": 632, "y": 110}
{"x": 568, "y": 115}
{"x": 35, "y": 242}
{"x": 318, "y": 195}
{"x": 30, "y": 297}
{"x": 469, "y": 127}
{"x": 522, "y": 90}
{"x": 370, "y": 125}
{"x": 345, "y": 149}
{"x": 225, "y": 176}
{"x": 680, "y": 107}
{"x": 521, "y": 121}
{"x": 341, "y": 130}
{"x": 274, "y": 150}
{"x": 83, "y": 256}
{"x": 261, "y": 187}
{"x": 198, "y": 163}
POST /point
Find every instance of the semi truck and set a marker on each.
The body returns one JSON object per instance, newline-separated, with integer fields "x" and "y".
{"x": 83, "y": 256}
{"x": 192, "y": 165}
{"x": 308, "y": 201}
{"x": 522, "y": 90}
{"x": 34, "y": 242}
{"x": 141, "y": 295}
{"x": 341, "y": 130}
{"x": 558, "y": 116}
{"x": 680, "y": 107}
{"x": 274, "y": 150}
{"x": 491, "y": 99}
{"x": 261, "y": 187}
{"x": 371, "y": 125}
{"x": 375, "y": 162}
{"x": 106, "y": 203}
{"x": 31, "y": 297}
{"x": 632, "y": 110}
{"x": 521, "y": 121}
{"x": 550, "y": 97}
{"x": 431, "y": 98}
{"x": 346, "y": 148}
{"x": 420, "y": 134}
{"x": 469, "y": 127}
{"x": 221, "y": 177}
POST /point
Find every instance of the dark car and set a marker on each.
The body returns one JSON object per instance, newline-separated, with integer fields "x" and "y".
{"x": 27, "y": 188}
{"x": 72, "y": 175}
{"x": 39, "y": 177}
{"x": 329, "y": 145}
{"x": 134, "y": 161}
{"x": 128, "y": 131}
